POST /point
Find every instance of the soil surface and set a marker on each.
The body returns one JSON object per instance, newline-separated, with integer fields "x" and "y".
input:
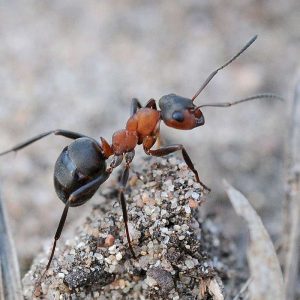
{"x": 76, "y": 65}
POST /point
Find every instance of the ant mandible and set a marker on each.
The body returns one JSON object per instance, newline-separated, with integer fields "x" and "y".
{"x": 81, "y": 167}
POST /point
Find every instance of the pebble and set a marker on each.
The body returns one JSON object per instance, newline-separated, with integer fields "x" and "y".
{"x": 184, "y": 227}
{"x": 98, "y": 256}
{"x": 164, "y": 230}
{"x": 193, "y": 203}
{"x": 163, "y": 212}
{"x": 174, "y": 203}
{"x": 190, "y": 182}
{"x": 161, "y": 277}
{"x": 195, "y": 195}
{"x": 173, "y": 161}
{"x": 109, "y": 241}
{"x": 119, "y": 256}
{"x": 187, "y": 209}
{"x": 80, "y": 245}
{"x": 177, "y": 227}
{"x": 112, "y": 249}
{"x": 164, "y": 194}
{"x": 189, "y": 263}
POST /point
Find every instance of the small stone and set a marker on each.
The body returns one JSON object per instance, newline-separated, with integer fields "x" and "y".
{"x": 133, "y": 180}
{"x": 189, "y": 263}
{"x": 119, "y": 256}
{"x": 177, "y": 227}
{"x": 95, "y": 233}
{"x": 122, "y": 284}
{"x": 162, "y": 278}
{"x": 166, "y": 239}
{"x": 163, "y": 212}
{"x": 193, "y": 203}
{"x": 148, "y": 210}
{"x": 112, "y": 249}
{"x": 195, "y": 195}
{"x": 164, "y": 230}
{"x": 168, "y": 182}
{"x": 181, "y": 237}
{"x": 173, "y": 161}
{"x": 184, "y": 227}
{"x": 109, "y": 241}
{"x": 80, "y": 245}
{"x": 164, "y": 194}
{"x": 148, "y": 200}
{"x": 139, "y": 202}
{"x": 174, "y": 203}
{"x": 150, "y": 281}
{"x": 61, "y": 275}
{"x": 108, "y": 260}
{"x": 190, "y": 182}
{"x": 188, "y": 194}
{"x": 187, "y": 209}
{"x": 98, "y": 256}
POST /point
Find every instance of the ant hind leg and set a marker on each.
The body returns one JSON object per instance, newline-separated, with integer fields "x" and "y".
{"x": 65, "y": 133}
{"x": 92, "y": 185}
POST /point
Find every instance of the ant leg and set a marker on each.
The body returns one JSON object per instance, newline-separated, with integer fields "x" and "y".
{"x": 94, "y": 184}
{"x": 135, "y": 104}
{"x": 65, "y": 133}
{"x": 173, "y": 148}
{"x": 56, "y": 237}
{"x": 151, "y": 104}
{"x": 128, "y": 158}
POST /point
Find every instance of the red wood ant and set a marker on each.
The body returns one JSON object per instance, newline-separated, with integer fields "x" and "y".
{"x": 81, "y": 167}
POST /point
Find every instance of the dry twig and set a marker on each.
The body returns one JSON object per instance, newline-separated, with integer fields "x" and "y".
{"x": 292, "y": 216}
{"x": 267, "y": 279}
{"x": 10, "y": 283}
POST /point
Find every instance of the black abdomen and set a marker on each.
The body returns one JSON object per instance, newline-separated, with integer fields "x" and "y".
{"x": 79, "y": 163}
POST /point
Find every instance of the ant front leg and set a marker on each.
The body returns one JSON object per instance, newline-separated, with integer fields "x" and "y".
{"x": 128, "y": 159}
{"x": 171, "y": 149}
{"x": 65, "y": 133}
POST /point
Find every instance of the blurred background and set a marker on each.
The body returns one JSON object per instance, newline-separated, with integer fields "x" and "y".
{"x": 75, "y": 65}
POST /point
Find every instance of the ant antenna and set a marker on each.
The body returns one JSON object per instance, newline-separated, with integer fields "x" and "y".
{"x": 227, "y": 104}
{"x": 212, "y": 75}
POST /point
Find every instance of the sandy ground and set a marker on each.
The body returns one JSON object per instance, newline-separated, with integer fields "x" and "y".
{"x": 76, "y": 65}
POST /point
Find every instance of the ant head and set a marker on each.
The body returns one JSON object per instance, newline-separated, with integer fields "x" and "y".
{"x": 180, "y": 113}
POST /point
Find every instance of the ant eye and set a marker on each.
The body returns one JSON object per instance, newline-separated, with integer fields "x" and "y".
{"x": 178, "y": 116}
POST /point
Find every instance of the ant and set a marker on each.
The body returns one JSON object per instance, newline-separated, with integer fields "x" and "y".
{"x": 81, "y": 167}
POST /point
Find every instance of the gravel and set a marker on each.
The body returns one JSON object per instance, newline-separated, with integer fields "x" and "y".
{"x": 178, "y": 253}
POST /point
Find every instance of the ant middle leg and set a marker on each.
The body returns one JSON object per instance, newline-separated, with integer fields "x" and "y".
{"x": 171, "y": 149}
{"x": 128, "y": 159}
{"x": 135, "y": 105}
{"x": 65, "y": 133}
